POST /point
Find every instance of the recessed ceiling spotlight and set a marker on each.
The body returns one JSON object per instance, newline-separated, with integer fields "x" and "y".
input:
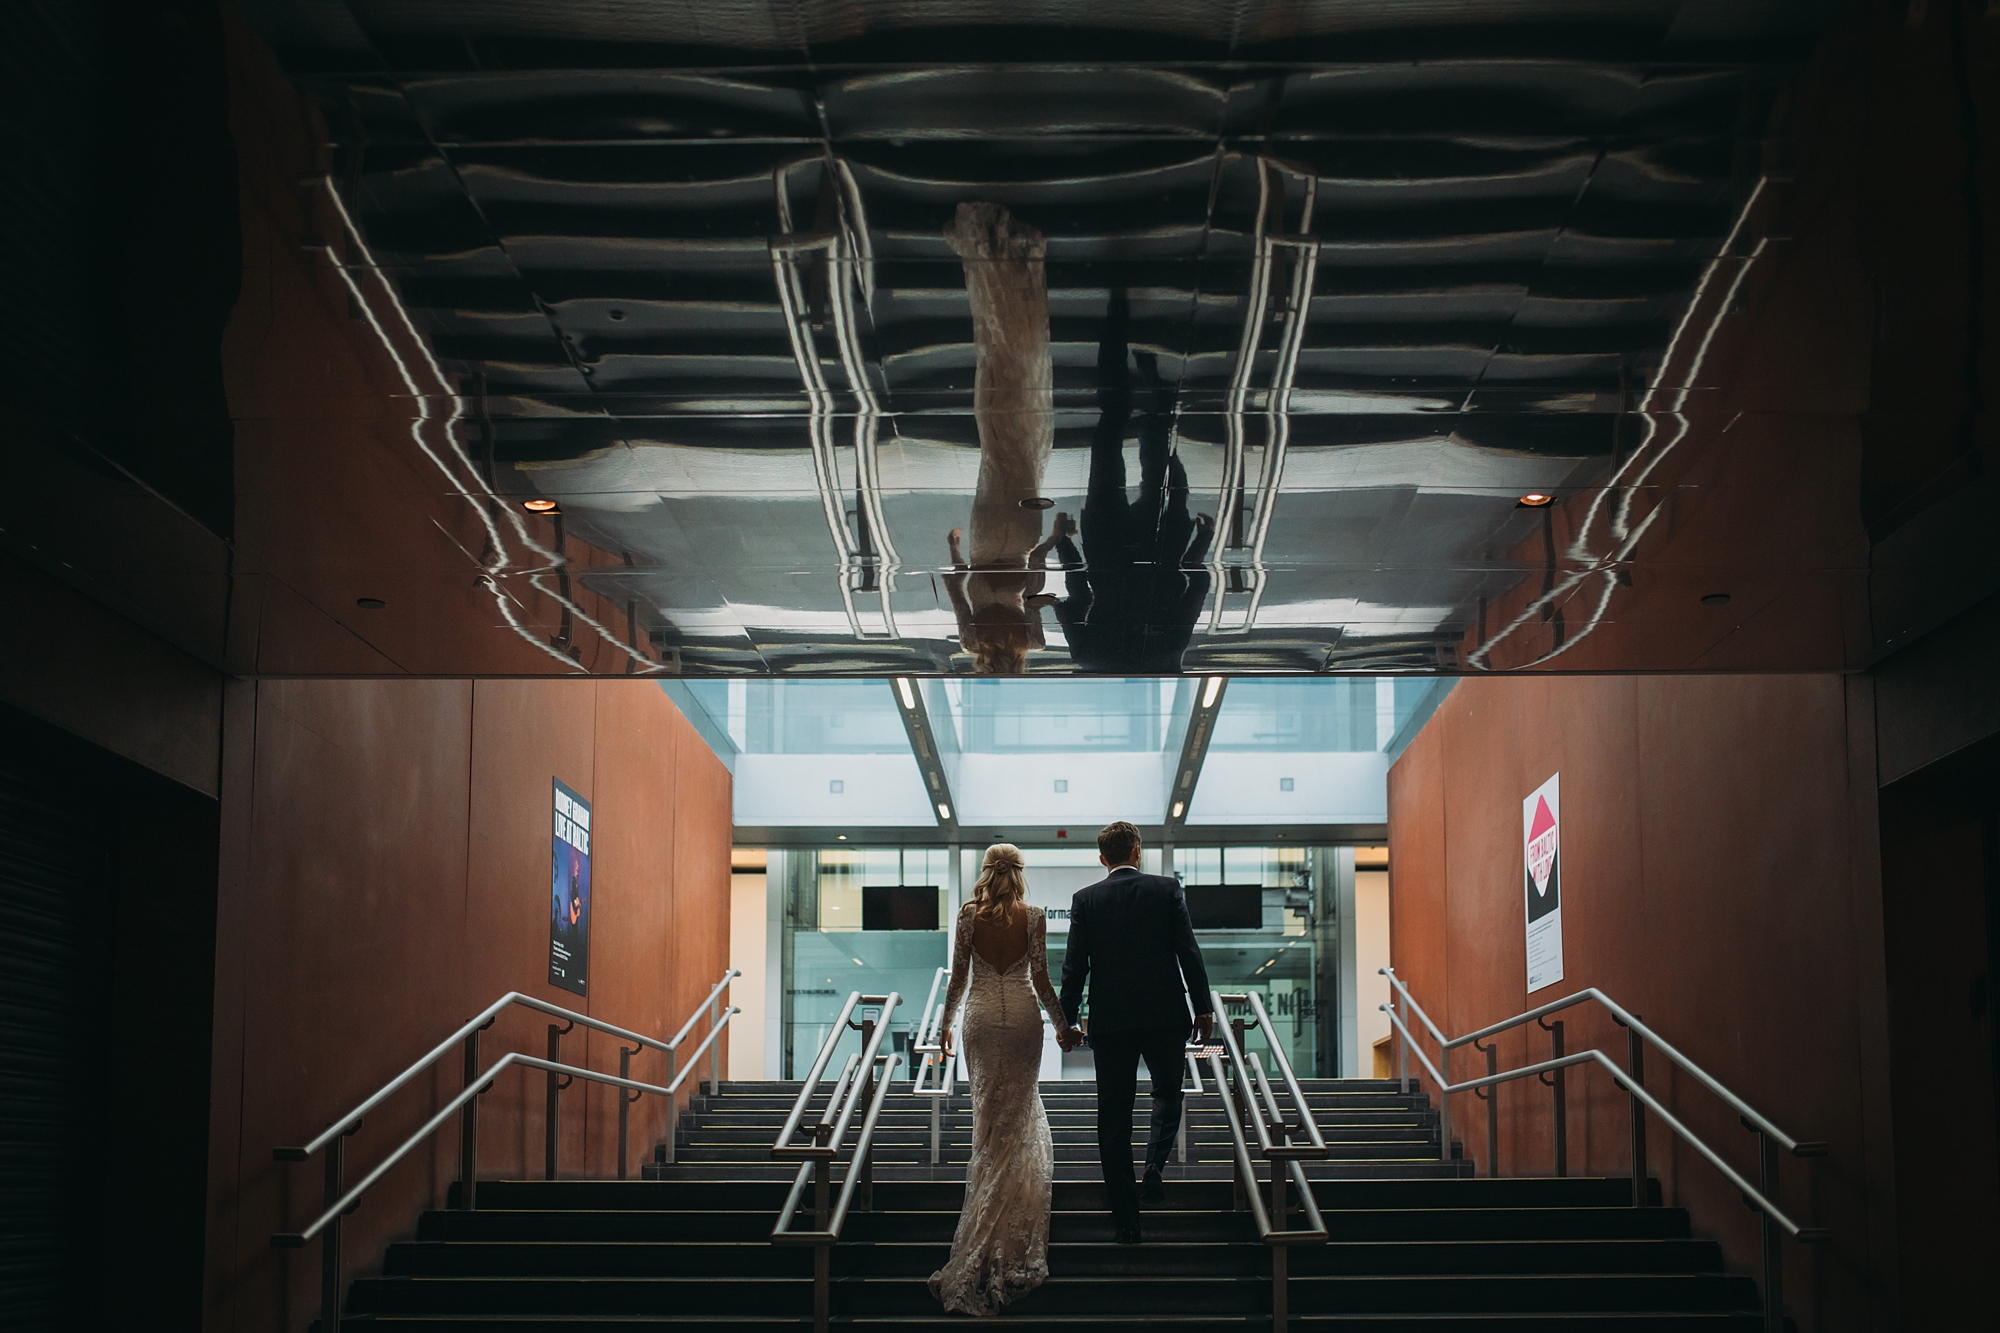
{"x": 373, "y": 603}
{"x": 1715, "y": 599}
{"x": 1178, "y": 807}
{"x": 539, "y": 506}
{"x": 840, "y": 837}
{"x": 1214, "y": 688}
{"x": 1535, "y": 500}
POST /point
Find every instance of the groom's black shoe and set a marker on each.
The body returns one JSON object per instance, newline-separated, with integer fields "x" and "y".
{"x": 1152, "y": 1191}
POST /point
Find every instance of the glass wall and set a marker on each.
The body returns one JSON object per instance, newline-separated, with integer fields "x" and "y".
{"x": 830, "y": 951}
{"x": 1270, "y": 927}
{"x": 1281, "y": 956}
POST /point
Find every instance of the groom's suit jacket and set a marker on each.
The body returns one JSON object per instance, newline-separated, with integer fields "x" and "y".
{"x": 1130, "y": 937}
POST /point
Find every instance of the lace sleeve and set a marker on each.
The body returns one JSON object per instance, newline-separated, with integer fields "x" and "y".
{"x": 1038, "y": 966}
{"x": 961, "y": 966}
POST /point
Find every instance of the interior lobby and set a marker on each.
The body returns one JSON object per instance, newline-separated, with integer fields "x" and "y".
{"x": 554, "y": 535}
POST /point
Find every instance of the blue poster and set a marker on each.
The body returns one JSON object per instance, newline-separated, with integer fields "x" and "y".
{"x": 569, "y": 893}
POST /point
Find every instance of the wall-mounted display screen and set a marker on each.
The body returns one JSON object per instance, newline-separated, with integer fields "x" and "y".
{"x": 899, "y": 907}
{"x": 1226, "y": 906}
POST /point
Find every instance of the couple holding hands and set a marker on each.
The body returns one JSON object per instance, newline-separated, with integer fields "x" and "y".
{"x": 1131, "y": 940}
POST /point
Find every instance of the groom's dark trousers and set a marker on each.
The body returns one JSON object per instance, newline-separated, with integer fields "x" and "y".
{"x": 1117, "y": 1055}
{"x": 1131, "y": 941}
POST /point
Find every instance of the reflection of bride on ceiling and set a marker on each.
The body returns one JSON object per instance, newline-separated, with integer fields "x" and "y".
{"x": 1137, "y": 585}
{"x": 997, "y": 594}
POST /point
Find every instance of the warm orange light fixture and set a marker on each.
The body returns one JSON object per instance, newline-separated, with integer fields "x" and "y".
{"x": 1535, "y": 499}
{"x": 539, "y": 506}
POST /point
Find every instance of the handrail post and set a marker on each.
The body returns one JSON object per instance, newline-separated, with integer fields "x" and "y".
{"x": 1246, "y": 1104}
{"x": 468, "y": 1134}
{"x": 714, "y": 1048}
{"x": 1555, "y": 1031}
{"x": 1444, "y": 1103}
{"x": 1280, "y": 1288}
{"x": 673, "y": 1106}
{"x": 1774, "y": 1258}
{"x": 867, "y": 1163}
{"x": 822, "y": 1252}
{"x": 1491, "y": 1094}
{"x": 329, "y": 1254}
{"x": 550, "y": 1125}
{"x": 625, "y": 1100}
{"x": 1635, "y": 1064}
{"x": 1402, "y": 1050}
{"x": 1280, "y": 1276}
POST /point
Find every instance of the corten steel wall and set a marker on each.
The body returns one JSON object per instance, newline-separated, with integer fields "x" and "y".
{"x": 1720, "y": 879}
{"x": 385, "y": 863}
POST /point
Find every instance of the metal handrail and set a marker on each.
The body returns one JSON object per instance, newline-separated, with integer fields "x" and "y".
{"x": 859, "y": 1079}
{"x": 1625, "y": 1020}
{"x": 1241, "y": 1094}
{"x": 930, "y": 1027}
{"x": 340, "y": 1199}
{"x": 708, "y": 1004}
{"x": 674, "y": 1086}
{"x": 346, "y": 1123}
{"x": 347, "y": 1201}
{"x": 1762, "y": 1197}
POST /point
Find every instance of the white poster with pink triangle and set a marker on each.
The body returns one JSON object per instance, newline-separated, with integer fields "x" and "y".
{"x": 1541, "y": 856}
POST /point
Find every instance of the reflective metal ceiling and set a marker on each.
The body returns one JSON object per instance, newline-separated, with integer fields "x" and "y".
{"x": 1230, "y": 336}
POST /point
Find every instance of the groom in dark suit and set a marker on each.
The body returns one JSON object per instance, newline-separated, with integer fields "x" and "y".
{"x": 1130, "y": 937}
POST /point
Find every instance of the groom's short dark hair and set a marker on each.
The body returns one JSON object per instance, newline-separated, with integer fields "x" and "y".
{"x": 1116, "y": 842}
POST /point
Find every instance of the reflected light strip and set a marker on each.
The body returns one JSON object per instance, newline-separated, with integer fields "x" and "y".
{"x": 451, "y": 437}
{"x": 1214, "y": 688}
{"x": 1178, "y": 807}
{"x": 416, "y": 433}
{"x": 944, "y": 811}
{"x": 818, "y": 399}
{"x": 1627, "y": 537}
{"x": 909, "y": 697}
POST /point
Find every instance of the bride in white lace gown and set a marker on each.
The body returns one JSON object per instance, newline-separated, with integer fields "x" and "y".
{"x": 1000, "y": 967}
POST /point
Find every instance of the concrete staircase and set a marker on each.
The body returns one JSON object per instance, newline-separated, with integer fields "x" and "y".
{"x": 1415, "y": 1243}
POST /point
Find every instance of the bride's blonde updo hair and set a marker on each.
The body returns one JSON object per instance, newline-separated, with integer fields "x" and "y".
{"x": 1001, "y": 890}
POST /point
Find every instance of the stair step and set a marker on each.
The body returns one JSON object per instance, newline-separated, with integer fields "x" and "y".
{"x": 1343, "y": 1224}
{"x": 722, "y": 1193}
{"x": 1154, "y": 1293}
{"x": 1236, "y": 1254}
{"x": 1637, "y": 1321}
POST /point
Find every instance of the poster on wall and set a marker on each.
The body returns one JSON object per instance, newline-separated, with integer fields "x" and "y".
{"x": 1541, "y": 842}
{"x": 569, "y": 893}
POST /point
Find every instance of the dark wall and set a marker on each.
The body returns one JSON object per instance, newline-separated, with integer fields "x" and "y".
{"x": 107, "y": 967}
{"x": 118, "y": 206}
{"x": 1941, "y": 912}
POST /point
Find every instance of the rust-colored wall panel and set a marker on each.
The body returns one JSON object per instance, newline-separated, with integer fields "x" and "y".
{"x": 1709, "y": 865}
{"x": 386, "y": 860}
{"x": 525, "y": 735}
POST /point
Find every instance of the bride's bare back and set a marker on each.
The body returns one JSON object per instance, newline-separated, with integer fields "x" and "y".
{"x": 1001, "y": 943}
